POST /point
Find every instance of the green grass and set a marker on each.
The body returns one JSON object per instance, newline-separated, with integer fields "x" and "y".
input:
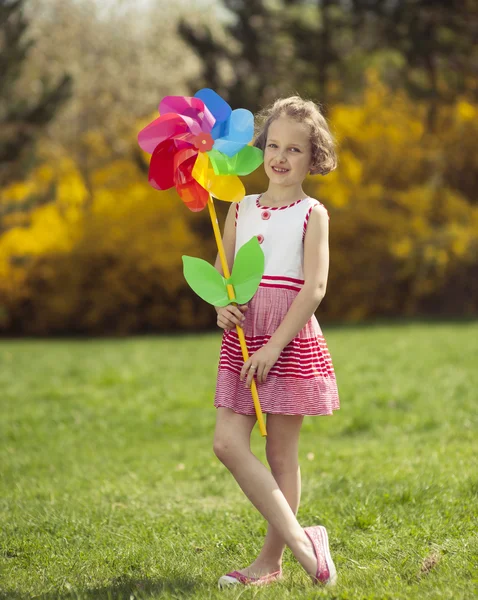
{"x": 109, "y": 487}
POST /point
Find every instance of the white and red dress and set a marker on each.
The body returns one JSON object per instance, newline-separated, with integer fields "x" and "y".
{"x": 302, "y": 381}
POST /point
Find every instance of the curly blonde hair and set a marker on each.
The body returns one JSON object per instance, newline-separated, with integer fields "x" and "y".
{"x": 324, "y": 158}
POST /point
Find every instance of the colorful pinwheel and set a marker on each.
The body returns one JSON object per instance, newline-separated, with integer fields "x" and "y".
{"x": 200, "y": 145}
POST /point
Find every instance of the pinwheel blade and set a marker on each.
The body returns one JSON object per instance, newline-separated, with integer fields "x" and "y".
{"x": 219, "y": 108}
{"x": 162, "y": 128}
{"x": 228, "y": 188}
{"x": 161, "y": 167}
{"x": 239, "y": 132}
{"x": 242, "y": 163}
{"x": 223, "y": 187}
{"x": 192, "y": 108}
{"x": 191, "y": 192}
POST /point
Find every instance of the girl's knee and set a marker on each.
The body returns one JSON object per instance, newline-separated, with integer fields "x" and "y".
{"x": 229, "y": 451}
{"x": 232, "y": 436}
{"x": 224, "y": 450}
{"x": 281, "y": 460}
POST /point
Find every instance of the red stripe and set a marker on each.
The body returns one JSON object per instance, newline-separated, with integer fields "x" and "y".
{"x": 292, "y": 351}
{"x": 285, "y": 361}
{"x": 288, "y": 354}
{"x": 315, "y": 359}
{"x": 237, "y": 213}
{"x": 306, "y": 220}
{"x": 280, "y": 278}
{"x": 281, "y": 372}
{"x": 277, "y": 207}
{"x": 288, "y": 376}
{"x": 300, "y": 349}
{"x": 305, "y": 342}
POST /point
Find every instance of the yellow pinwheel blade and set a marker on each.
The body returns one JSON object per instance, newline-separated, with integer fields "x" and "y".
{"x": 200, "y": 170}
{"x": 224, "y": 187}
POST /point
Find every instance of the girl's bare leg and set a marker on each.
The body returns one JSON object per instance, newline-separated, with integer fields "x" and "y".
{"x": 282, "y": 449}
{"x": 232, "y": 447}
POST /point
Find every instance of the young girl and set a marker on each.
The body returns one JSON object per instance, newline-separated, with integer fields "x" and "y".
{"x": 288, "y": 353}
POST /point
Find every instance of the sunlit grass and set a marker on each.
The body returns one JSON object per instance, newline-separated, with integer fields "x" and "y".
{"x": 110, "y": 489}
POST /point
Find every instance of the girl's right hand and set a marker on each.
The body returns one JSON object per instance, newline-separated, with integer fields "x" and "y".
{"x": 229, "y": 316}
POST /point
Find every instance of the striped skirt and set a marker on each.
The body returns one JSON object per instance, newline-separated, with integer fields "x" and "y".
{"x": 302, "y": 381}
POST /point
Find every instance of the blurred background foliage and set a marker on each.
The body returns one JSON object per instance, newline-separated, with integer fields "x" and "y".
{"x": 87, "y": 246}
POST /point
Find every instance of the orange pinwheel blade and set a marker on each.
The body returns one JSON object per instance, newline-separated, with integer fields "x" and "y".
{"x": 191, "y": 192}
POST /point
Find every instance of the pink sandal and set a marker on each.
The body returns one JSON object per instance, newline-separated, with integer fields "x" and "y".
{"x": 235, "y": 577}
{"x": 326, "y": 571}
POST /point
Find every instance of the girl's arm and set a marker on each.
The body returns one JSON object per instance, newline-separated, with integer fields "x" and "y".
{"x": 316, "y": 269}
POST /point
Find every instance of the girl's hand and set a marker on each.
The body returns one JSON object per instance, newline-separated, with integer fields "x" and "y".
{"x": 229, "y": 316}
{"x": 260, "y": 363}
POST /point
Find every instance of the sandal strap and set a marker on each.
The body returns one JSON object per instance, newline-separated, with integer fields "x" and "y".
{"x": 245, "y": 579}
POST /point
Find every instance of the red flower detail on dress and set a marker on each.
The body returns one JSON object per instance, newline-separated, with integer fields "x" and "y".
{"x": 203, "y": 142}
{"x": 266, "y": 215}
{"x": 260, "y": 238}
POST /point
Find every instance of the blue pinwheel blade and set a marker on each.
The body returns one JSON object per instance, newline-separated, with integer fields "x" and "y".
{"x": 240, "y": 130}
{"x": 219, "y": 130}
{"x": 219, "y": 108}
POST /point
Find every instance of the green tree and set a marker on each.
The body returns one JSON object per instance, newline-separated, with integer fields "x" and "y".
{"x": 250, "y": 64}
{"x": 21, "y": 120}
{"x": 428, "y": 47}
{"x": 322, "y": 48}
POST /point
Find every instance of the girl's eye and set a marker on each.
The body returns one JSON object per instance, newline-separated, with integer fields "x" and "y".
{"x": 272, "y": 145}
{"x": 295, "y": 149}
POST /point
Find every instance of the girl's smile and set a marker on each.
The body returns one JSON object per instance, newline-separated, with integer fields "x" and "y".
{"x": 280, "y": 170}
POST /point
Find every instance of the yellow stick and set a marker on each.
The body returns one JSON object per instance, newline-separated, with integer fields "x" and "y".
{"x": 232, "y": 296}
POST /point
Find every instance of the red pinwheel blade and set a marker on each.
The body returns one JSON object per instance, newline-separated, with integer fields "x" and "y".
{"x": 191, "y": 192}
{"x": 161, "y": 167}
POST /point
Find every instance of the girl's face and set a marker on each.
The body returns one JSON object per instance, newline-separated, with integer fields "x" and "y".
{"x": 287, "y": 155}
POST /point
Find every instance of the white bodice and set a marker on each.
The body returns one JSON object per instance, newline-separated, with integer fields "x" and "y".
{"x": 280, "y": 231}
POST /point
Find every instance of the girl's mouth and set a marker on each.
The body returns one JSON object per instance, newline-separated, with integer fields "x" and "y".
{"x": 280, "y": 171}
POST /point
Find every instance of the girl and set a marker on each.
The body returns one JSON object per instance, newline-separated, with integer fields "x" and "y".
{"x": 289, "y": 356}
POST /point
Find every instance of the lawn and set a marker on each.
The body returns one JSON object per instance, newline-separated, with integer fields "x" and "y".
{"x": 109, "y": 487}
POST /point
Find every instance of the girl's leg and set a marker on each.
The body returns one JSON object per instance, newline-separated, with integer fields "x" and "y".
{"x": 282, "y": 449}
{"x": 232, "y": 447}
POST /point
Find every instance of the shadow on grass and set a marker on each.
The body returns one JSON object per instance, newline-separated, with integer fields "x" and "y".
{"x": 121, "y": 588}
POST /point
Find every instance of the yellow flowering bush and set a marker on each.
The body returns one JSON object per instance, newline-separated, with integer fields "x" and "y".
{"x": 106, "y": 255}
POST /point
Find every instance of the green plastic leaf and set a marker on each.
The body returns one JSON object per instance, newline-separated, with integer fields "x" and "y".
{"x": 247, "y": 271}
{"x": 242, "y": 163}
{"x": 205, "y": 280}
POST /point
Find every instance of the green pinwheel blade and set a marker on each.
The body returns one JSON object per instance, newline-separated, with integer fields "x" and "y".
{"x": 247, "y": 271}
{"x": 205, "y": 280}
{"x": 242, "y": 163}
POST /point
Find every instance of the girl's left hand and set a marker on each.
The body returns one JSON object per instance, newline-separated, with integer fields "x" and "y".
{"x": 260, "y": 363}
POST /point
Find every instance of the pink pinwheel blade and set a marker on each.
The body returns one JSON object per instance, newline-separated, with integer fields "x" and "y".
{"x": 192, "y": 108}
{"x": 191, "y": 192}
{"x": 161, "y": 129}
{"x": 161, "y": 167}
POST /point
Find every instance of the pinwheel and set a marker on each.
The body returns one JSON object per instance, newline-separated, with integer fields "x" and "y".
{"x": 200, "y": 146}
